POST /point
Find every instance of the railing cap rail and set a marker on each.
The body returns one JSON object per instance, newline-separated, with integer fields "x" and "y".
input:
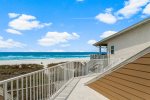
{"x": 28, "y": 74}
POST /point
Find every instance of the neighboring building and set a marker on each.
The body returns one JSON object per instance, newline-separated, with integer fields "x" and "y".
{"x": 129, "y": 41}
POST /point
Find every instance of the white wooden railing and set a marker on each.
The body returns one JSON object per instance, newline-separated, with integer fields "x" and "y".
{"x": 44, "y": 84}
{"x": 98, "y": 56}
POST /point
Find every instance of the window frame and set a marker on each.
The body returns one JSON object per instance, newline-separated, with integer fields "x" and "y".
{"x": 112, "y": 49}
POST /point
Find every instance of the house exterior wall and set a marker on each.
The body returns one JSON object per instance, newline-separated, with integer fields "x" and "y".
{"x": 131, "y": 42}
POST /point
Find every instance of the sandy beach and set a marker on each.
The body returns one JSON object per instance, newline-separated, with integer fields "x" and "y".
{"x": 12, "y": 68}
{"x": 38, "y": 61}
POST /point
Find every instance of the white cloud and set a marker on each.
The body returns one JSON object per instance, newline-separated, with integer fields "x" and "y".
{"x": 56, "y": 50}
{"x": 53, "y": 38}
{"x": 26, "y": 22}
{"x": 108, "y": 10}
{"x": 79, "y": 0}
{"x": 91, "y": 42}
{"x": 10, "y": 43}
{"x": 147, "y": 10}
{"x": 107, "y": 17}
{"x": 12, "y": 31}
{"x": 13, "y": 15}
{"x": 107, "y": 33}
{"x": 65, "y": 45}
{"x": 132, "y": 7}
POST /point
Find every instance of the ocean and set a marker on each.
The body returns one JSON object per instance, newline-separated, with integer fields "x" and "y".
{"x": 43, "y": 55}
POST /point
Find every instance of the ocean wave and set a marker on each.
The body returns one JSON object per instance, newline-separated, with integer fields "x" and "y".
{"x": 21, "y": 56}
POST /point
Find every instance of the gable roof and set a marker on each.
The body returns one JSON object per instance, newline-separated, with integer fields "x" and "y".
{"x": 122, "y": 31}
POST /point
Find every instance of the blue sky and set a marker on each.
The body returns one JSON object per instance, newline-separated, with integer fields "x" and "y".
{"x": 64, "y": 25}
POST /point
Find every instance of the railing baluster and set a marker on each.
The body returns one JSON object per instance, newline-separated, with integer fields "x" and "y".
{"x": 69, "y": 71}
{"x": 54, "y": 80}
{"x": 42, "y": 86}
{"x": 5, "y": 91}
{"x": 50, "y": 83}
{"x": 26, "y": 88}
{"x": 31, "y": 88}
{"x": 12, "y": 90}
{"x": 59, "y": 78}
{"x": 37, "y": 86}
{"x": 17, "y": 89}
{"x": 22, "y": 93}
{"x": 48, "y": 76}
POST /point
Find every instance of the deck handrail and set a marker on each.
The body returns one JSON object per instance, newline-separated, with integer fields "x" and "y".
{"x": 44, "y": 84}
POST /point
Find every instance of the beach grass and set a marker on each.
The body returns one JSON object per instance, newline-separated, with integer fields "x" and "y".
{"x": 9, "y": 71}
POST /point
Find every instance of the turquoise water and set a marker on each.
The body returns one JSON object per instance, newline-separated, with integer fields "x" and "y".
{"x": 43, "y": 55}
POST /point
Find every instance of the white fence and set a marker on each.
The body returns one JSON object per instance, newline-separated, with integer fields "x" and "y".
{"x": 43, "y": 84}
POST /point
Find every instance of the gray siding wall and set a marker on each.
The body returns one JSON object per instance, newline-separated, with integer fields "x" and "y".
{"x": 131, "y": 42}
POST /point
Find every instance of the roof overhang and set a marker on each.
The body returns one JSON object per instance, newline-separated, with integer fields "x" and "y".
{"x": 104, "y": 41}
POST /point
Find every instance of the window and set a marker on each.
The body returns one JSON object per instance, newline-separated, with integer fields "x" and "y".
{"x": 112, "y": 50}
